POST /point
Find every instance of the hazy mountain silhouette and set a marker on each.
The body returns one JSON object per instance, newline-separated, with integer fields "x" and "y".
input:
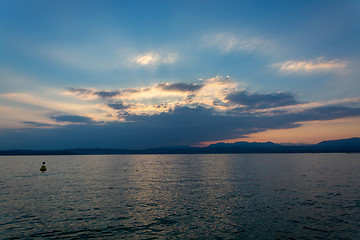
{"x": 350, "y": 145}
{"x": 244, "y": 144}
{"x": 346, "y": 143}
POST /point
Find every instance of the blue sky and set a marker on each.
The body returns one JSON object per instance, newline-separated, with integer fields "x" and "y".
{"x": 137, "y": 74}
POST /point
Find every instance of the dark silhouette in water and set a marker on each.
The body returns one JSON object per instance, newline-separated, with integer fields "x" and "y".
{"x": 43, "y": 167}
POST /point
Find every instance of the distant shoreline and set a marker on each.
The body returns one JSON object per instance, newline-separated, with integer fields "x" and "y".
{"x": 164, "y": 152}
{"x": 351, "y": 145}
{"x": 49, "y": 154}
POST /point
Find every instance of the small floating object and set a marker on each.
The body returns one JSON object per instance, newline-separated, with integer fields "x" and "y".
{"x": 43, "y": 167}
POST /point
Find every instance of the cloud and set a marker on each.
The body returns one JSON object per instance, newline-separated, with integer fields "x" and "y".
{"x": 38, "y": 124}
{"x": 228, "y": 42}
{"x": 181, "y": 87}
{"x": 117, "y": 106}
{"x": 182, "y": 125}
{"x": 148, "y": 58}
{"x": 260, "y": 101}
{"x": 80, "y": 91}
{"x": 153, "y": 58}
{"x": 219, "y": 93}
{"x": 169, "y": 114}
{"x": 53, "y": 101}
{"x": 88, "y": 58}
{"x": 72, "y": 119}
{"x": 107, "y": 94}
{"x": 156, "y": 98}
{"x": 106, "y": 56}
{"x": 329, "y": 112}
{"x": 315, "y": 65}
{"x": 91, "y": 94}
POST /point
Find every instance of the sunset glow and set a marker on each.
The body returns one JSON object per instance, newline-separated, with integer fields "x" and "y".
{"x": 141, "y": 75}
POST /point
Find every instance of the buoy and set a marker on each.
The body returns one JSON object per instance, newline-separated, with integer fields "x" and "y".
{"x": 43, "y": 167}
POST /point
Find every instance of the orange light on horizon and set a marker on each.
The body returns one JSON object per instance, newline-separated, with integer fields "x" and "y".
{"x": 309, "y": 133}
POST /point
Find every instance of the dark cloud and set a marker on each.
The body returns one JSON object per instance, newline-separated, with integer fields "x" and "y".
{"x": 107, "y": 94}
{"x": 38, "y": 124}
{"x": 326, "y": 113}
{"x": 181, "y": 126}
{"x": 72, "y": 119}
{"x": 118, "y": 106}
{"x": 180, "y": 87}
{"x": 261, "y": 101}
{"x": 104, "y": 93}
{"x": 133, "y": 90}
{"x": 80, "y": 91}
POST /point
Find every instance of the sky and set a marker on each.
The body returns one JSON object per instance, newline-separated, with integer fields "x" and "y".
{"x": 142, "y": 74}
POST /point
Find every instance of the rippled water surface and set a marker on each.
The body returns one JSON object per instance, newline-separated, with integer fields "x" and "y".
{"x": 249, "y": 196}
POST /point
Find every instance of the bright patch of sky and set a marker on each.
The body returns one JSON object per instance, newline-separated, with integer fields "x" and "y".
{"x": 155, "y": 65}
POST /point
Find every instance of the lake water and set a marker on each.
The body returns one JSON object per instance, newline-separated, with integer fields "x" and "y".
{"x": 230, "y": 196}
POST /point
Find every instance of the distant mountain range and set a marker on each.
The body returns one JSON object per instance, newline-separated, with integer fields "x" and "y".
{"x": 350, "y": 145}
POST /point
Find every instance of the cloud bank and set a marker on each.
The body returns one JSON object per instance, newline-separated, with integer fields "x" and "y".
{"x": 163, "y": 114}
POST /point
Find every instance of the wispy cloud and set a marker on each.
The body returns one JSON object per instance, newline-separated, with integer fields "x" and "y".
{"x": 44, "y": 105}
{"x": 45, "y": 102}
{"x": 34, "y": 124}
{"x": 315, "y": 65}
{"x": 106, "y": 58}
{"x": 16, "y": 116}
{"x": 72, "y": 119}
{"x": 154, "y": 58}
{"x": 228, "y": 42}
{"x": 87, "y": 58}
{"x": 147, "y": 59}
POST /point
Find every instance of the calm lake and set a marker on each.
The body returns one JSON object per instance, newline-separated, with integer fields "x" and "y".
{"x": 229, "y": 196}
